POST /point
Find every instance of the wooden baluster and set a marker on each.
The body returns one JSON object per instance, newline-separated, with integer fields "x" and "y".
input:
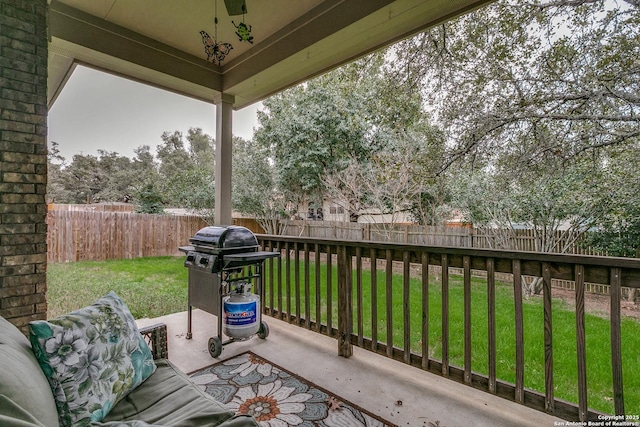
{"x": 374, "y": 300}
{"x": 616, "y": 340}
{"x": 389, "y": 288}
{"x": 581, "y": 348}
{"x": 517, "y": 296}
{"x": 425, "y": 311}
{"x": 406, "y": 282}
{"x": 359, "y": 297}
{"x": 329, "y": 291}
{"x": 296, "y": 280}
{"x": 445, "y": 315}
{"x": 318, "y": 288}
{"x": 549, "y": 402}
{"x": 491, "y": 307}
{"x": 345, "y": 291}
{"x": 307, "y": 288}
{"x": 466, "y": 263}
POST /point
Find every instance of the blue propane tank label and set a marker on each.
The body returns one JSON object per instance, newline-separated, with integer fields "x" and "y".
{"x": 240, "y": 314}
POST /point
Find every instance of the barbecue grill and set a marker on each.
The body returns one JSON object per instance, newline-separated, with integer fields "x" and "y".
{"x": 225, "y": 279}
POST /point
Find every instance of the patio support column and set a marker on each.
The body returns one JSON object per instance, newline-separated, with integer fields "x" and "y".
{"x": 23, "y": 161}
{"x": 224, "y": 148}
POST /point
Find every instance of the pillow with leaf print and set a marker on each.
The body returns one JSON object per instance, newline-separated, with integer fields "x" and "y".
{"x": 92, "y": 357}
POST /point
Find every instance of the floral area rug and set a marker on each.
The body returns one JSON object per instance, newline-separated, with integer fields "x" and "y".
{"x": 249, "y": 384}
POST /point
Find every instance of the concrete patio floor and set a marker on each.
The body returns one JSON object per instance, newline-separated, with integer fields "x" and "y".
{"x": 401, "y": 394}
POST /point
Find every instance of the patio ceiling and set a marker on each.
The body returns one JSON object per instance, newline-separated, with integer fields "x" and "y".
{"x": 158, "y": 42}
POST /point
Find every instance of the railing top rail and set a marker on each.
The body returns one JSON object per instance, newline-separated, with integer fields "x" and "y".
{"x": 626, "y": 263}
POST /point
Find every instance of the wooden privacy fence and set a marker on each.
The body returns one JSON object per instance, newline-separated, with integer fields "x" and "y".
{"x": 94, "y": 207}
{"x": 395, "y": 233}
{"x": 460, "y": 237}
{"x": 101, "y": 235}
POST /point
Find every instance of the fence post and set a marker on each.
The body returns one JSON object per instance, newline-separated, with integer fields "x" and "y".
{"x": 345, "y": 316}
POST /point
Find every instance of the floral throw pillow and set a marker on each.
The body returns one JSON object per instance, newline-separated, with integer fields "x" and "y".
{"x": 92, "y": 357}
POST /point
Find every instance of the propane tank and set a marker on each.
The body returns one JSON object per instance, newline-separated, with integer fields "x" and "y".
{"x": 241, "y": 318}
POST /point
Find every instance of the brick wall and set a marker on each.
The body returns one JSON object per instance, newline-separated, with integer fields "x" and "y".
{"x": 23, "y": 160}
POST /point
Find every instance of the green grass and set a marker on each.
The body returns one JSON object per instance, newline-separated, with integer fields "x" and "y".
{"x": 153, "y": 287}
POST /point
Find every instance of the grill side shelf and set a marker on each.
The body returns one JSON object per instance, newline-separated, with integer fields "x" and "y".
{"x": 247, "y": 258}
{"x": 251, "y": 256}
{"x": 186, "y": 249}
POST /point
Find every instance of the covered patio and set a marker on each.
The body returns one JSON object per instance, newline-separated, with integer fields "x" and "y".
{"x": 159, "y": 43}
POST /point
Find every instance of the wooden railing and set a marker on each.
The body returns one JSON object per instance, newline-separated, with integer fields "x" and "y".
{"x": 350, "y": 291}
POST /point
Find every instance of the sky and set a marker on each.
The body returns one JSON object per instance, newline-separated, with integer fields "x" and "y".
{"x": 96, "y": 110}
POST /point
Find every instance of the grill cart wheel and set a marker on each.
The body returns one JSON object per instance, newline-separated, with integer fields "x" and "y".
{"x": 215, "y": 346}
{"x": 263, "y": 332}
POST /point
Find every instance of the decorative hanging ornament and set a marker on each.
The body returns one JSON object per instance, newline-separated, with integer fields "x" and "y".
{"x": 215, "y": 51}
{"x": 244, "y": 30}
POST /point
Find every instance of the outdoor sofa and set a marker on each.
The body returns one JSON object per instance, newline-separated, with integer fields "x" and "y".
{"x": 93, "y": 367}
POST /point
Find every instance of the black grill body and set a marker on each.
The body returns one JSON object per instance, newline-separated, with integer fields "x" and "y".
{"x": 210, "y": 245}
{"x": 217, "y": 258}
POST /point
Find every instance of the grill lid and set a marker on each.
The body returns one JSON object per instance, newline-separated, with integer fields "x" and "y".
{"x": 224, "y": 237}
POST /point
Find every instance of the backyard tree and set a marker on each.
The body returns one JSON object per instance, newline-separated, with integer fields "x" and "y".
{"x": 533, "y": 98}
{"x": 145, "y": 165}
{"x": 318, "y": 127}
{"x": 254, "y": 188}
{"x": 116, "y": 180}
{"x": 558, "y": 202}
{"x": 388, "y": 185}
{"x": 187, "y": 171}
{"x": 557, "y": 79}
{"x": 92, "y": 179}
{"x": 172, "y": 154}
{"x": 346, "y": 187}
{"x": 56, "y": 192}
{"x": 201, "y": 148}
{"x": 149, "y": 200}
{"x": 618, "y": 232}
{"x": 398, "y": 179}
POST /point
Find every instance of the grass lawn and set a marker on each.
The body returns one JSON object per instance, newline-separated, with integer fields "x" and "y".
{"x": 153, "y": 287}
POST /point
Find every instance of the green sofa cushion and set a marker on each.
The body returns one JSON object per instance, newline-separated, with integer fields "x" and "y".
{"x": 92, "y": 357}
{"x": 169, "y": 398}
{"x": 23, "y": 386}
{"x": 13, "y": 415}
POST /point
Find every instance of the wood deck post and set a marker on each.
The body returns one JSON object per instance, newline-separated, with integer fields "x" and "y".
{"x": 345, "y": 291}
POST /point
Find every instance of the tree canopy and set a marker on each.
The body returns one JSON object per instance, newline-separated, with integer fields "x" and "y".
{"x": 180, "y": 174}
{"x": 517, "y": 114}
{"x": 551, "y": 79}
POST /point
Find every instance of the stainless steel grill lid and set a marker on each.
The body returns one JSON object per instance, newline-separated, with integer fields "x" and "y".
{"x": 225, "y": 237}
